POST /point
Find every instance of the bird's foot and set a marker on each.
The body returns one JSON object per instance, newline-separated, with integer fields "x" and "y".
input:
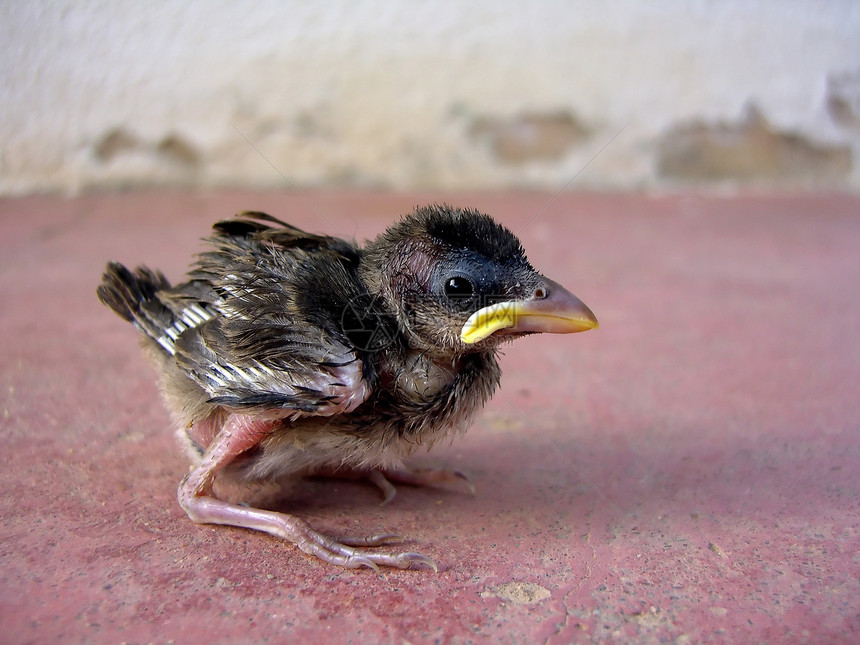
{"x": 349, "y": 552}
{"x": 355, "y": 552}
{"x": 416, "y": 477}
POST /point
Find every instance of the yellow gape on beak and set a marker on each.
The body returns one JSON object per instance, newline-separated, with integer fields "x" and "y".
{"x": 553, "y": 309}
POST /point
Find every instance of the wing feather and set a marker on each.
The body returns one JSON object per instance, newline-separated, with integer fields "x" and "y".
{"x": 270, "y": 342}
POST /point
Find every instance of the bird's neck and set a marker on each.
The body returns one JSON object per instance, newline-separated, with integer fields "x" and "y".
{"x": 420, "y": 376}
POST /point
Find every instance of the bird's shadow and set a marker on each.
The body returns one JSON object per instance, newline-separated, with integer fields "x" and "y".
{"x": 554, "y": 493}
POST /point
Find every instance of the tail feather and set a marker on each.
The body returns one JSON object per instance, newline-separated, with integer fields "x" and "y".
{"x": 132, "y": 295}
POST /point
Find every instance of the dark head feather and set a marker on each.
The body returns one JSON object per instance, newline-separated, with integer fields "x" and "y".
{"x": 456, "y": 229}
{"x": 468, "y": 229}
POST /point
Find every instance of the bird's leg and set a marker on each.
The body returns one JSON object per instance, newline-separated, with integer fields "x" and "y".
{"x": 238, "y": 434}
{"x": 416, "y": 476}
{"x": 429, "y": 476}
{"x": 382, "y": 478}
{"x": 379, "y": 480}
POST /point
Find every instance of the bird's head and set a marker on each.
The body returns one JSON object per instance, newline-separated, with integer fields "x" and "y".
{"x": 458, "y": 282}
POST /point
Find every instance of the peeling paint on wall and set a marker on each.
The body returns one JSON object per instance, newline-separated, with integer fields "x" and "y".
{"x": 178, "y": 150}
{"x": 114, "y": 143}
{"x": 531, "y": 136}
{"x": 748, "y": 151}
{"x": 172, "y": 148}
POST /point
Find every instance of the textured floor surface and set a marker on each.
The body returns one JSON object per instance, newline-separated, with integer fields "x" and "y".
{"x": 690, "y": 472}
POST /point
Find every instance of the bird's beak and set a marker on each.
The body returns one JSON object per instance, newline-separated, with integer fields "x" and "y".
{"x": 552, "y": 309}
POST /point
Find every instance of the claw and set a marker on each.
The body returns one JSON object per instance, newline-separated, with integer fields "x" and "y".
{"x": 418, "y": 559}
{"x": 465, "y": 478}
{"x": 361, "y": 561}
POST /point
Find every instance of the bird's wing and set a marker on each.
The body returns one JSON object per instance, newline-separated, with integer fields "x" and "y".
{"x": 308, "y": 375}
{"x": 265, "y": 306}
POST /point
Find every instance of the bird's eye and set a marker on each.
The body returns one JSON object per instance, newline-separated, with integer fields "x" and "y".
{"x": 459, "y": 287}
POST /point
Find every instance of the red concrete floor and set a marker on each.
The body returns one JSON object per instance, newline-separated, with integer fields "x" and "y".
{"x": 690, "y": 472}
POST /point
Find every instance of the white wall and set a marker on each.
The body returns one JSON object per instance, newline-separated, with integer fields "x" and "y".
{"x": 427, "y": 93}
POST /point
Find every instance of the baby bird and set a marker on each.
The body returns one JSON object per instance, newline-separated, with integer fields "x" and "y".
{"x": 292, "y": 354}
